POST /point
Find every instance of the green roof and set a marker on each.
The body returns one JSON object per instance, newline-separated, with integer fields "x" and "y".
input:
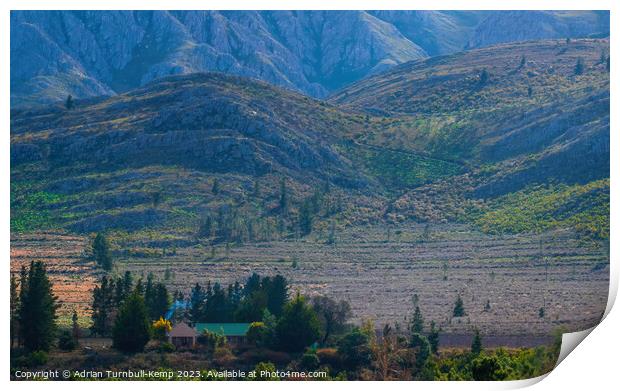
{"x": 225, "y": 329}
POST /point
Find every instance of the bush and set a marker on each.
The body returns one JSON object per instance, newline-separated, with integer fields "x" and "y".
{"x": 166, "y": 347}
{"x": 309, "y": 361}
{"x": 488, "y": 368}
{"x": 263, "y": 369}
{"x": 329, "y": 356}
{"x": 66, "y": 341}
{"x": 33, "y": 359}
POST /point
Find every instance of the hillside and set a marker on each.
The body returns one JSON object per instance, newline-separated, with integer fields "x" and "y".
{"x": 57, "y": 53}
{"x": 526, "y": 120}
{"x": 428, "y": 140}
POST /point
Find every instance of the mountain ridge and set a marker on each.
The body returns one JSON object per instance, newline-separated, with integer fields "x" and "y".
{"x": 57, "y": 53}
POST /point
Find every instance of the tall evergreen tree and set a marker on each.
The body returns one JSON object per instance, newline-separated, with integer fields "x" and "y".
{"x": 277, "y": 295}
{"x": 69, "y": 102}
{"x": 101, "y": 252}
{"x": 14, "y": 308}
{"x": 132, "y": 329}
{"x": 417, "y": 322}
{"x": 459, "y": 309}
{"x": 433, "y": 338}
{"x": 476, "y": 343}
{"x": 283, "y": 196}
{"x": 305, "y": 218}
{"x": 37, "y": 311}
{"x": 298, "y": 326}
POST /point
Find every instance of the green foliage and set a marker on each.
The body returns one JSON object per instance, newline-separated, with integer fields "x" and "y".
{"x": 354, "y": 349}
{"x": 309, "y": 361}
{"x": 433, "y": 338}
{"x": 101, "y": 252}
{"x": 536, "y": 209}
{"x": 66, "y": 341}
{"x": 264, "y": 370}
{"x": 69, "y": 102}
{"x": 417, "y": 322}
{"x": 402, "y": 169}
{"x": 579, "y": 67}
{"x": 37, "y": 309}
{"x": 298, "y": 327}
{"x": 30, "y": 208}
{"x": 476, "y": 343}
{"x": 132, "y": 329}
{"x": 422, "y": 349}
{"x": 459, "y": 309}
{"x": 488, "y": 368}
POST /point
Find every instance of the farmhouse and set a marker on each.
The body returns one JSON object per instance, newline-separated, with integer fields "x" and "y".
{"x": 182, "y": 336}
{"x": 235, "y": 333}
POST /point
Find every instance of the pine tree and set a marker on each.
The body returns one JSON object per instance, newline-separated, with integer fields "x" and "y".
{"x": 75, "y": 327}
{"x": 579, "y": 67}
{"x": 104, "y": 303}
{"x": 476, "y": 344}
{"x": 484, "y": 77}
{"x": 283, "y": 196}
{"x": 101, "y": 252}
{"x": 37, "y": 310}
{"x": 132, "y": 328}
{"x": 459, "y": 310}
{"x": 69, "y": 102}
{"x": 215, "y": 189}
{"x": 277, "y": 295}
{"x": 14, "y": 308}
{"x": 417, "y": 322}
{"x": 433, "y": 338}
{"x": 305, "y": 218}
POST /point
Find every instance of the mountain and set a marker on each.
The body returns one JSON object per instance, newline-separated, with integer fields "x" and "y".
{"x": 465, "y": 137}
{"x": 91, "y": 53}
{"x": 521, "y": 103}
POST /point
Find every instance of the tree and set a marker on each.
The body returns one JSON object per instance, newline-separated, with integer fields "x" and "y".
{"x": 433, "y": 338}
{"x": 332, "y": 315}
{"x": 298, "y": 326}
{"x": 69, "y": 102}
{"x": 37, "y": 310}
{"x": 66, "y": 341}
{"x": 331, "y": 238}
{"x": 423, "y": 349}
{"x": 132, "y": 329}
{"x": 579, "y": 67}
{"x": 101, "y": 252}
{"x": 458, "y": 310}
{"x": 277, "y": 294}
{"x": 417, "y": 322}
{"x": 522, "y": 62}
{"x": 75, "y": 327}
{"x": 354, "y": 349}
{"x": 608, "y": 65}
{"x": 215, "y": 188}
{"x": 305, "y": 218}
{"x": 530, "y": 91}
{"x": 484, "y": 77}
{"x": 283, "y": 196}
{"x": 476, "y": 343}
{"x": 488, "y": 368}
{"x": 160, "y": 328}
{"x": 14, "y": 308}
{"x": 103, "y": 305}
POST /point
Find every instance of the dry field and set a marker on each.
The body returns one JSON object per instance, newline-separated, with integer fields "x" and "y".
{"x": 72, "y": 277}
{"x": 379, "y": 277}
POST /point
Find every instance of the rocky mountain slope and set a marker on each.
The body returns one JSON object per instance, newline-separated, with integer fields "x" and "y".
{"x": 531, "y": 112}
{"x": 468, "y": 137}
{"x": 91, "y": 53}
